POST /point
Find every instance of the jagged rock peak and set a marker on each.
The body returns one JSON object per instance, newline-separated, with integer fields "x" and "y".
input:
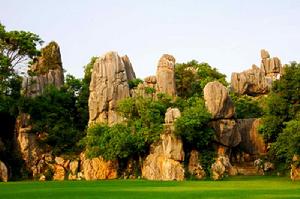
{"x": 128, "y": 68}
{"x": 109, "y": 84}
{"x": 165, "y": 75}
{"x": 257, "y": 81}
{"x": 218, "y": 101}
{"x": 264, "y": 54}
{"x": 47, "y": 69}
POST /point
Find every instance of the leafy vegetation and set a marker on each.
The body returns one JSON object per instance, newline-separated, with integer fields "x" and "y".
{"x": 246, "y": 106}
{"x": 17, "y": 48}
{"x": 143, "y": 124}
{"x": 191, "y": 77}
{"x": 281, "y": 118}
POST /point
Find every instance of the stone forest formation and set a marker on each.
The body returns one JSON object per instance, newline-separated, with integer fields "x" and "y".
{"x": 237, "y": 147}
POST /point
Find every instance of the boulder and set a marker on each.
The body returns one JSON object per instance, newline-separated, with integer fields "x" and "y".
{"x": 59, "y": 173}
{"x": 171, "y": 115}
{"x": 218, "y": 101}
{"x": 227, "y": 132}
{"x": 3, "y": 172}
{"x": 221, "y": 167}
{"x": 159, "y": 167}
{"x": 295, "y": 168}
{"x": 73, "y": 170}
{"x": 166, "y": 155}
{"x": 165, "y": 75}
{"x": 98, "y": 168}
{"x": 109, "y": 84}
{"x": 194, "y": 166}
{"x": 252, "y": 141}
{"x": 46, "y": 70}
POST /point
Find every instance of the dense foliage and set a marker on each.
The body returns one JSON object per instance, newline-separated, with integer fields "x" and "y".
{"x": 143, "y": 124}
{"x": 17, "y": 48}
{"x": 191, "y": 77}
{"x": 281, "y": 118}
{"x": 55, "y": 118}
{"x": 246, "y": 106}
{"x": 192, "y": 126}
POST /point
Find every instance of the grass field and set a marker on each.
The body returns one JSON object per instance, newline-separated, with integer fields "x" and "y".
{"x": 237, "y": 187}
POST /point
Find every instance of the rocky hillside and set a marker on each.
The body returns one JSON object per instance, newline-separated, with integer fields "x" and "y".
{"x": 237, "y": 146}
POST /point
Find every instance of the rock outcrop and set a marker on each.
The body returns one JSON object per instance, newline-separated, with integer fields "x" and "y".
{"x": 128, "y": 68}
{"x": 295, "y": 168}
{"x": 165, "y": 75}
{"x": 194, "y": 166}
{"x": 222, "y": 167}
{"x": 98, "y": 168}
{"x": 257, "y": 81}
{"x": 227, "y": 132}
{"x": 3, "y": 172}
{"x": 28, "y": 144}
{"x": 166, "y": 156}
{"x": 217, "y": 101}
{"x": 147, "y": 88}
{"x": 109, "y": 84}
{"x": 252, "y": 141}
{"x": 46, "y": 70}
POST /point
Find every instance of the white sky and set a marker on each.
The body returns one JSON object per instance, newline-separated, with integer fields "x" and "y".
{"x": 228, "y": 34}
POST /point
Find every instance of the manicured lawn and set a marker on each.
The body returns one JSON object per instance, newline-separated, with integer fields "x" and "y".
{"x": 237, "y": 187}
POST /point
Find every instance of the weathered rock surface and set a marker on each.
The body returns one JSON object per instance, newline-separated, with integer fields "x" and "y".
{"x": 295, "y": 168}
{"x": 59, "y": 173}
{"x": 98, "y": 168}
{"x": 109, "y": 84}
{"x": 45, "y": 71}
{"x": 257, "y": 81}
{"x": 165, "y": 75}
{"x": 227, "y": 132}
{"x": 171, "y": 115}
{"x": 221, "y": 167}
{"x": 194, "y": 166}
{"x": 252, "y": 141}
{"x": 218, "y": 101}
{"x": 166, "y": 156}
{"x": 251, "y": 82}
{"x": 73, "y": 170}
{"x": 128, "y": 68}
{"x": 27, "y": 143}
{"x": 143, "y": 89}
{"x": 271, "y": 66}
{"x": 3, "y": 172}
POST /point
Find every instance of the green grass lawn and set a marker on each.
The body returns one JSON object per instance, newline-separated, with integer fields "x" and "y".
{"x": 237, "y": 187}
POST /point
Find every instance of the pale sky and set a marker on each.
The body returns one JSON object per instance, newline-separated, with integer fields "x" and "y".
{"x": 227, "y": 34}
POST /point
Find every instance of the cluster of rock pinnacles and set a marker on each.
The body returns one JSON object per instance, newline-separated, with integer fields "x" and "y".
{"x": 109, "y": 84}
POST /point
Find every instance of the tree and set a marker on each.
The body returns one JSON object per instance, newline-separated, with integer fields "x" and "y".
{"x": 281, "y": 120}
{"x": 288, "y": 142}
{"x": 192, "y": 126}
{"x": 54, "y": 118}
{"x": 142, "y": 126}
{"x": 191, "y": 77}
{"x": 247, "y": 107}
{"x": 17, "y": 48}
{"x": 283, "y": 103}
